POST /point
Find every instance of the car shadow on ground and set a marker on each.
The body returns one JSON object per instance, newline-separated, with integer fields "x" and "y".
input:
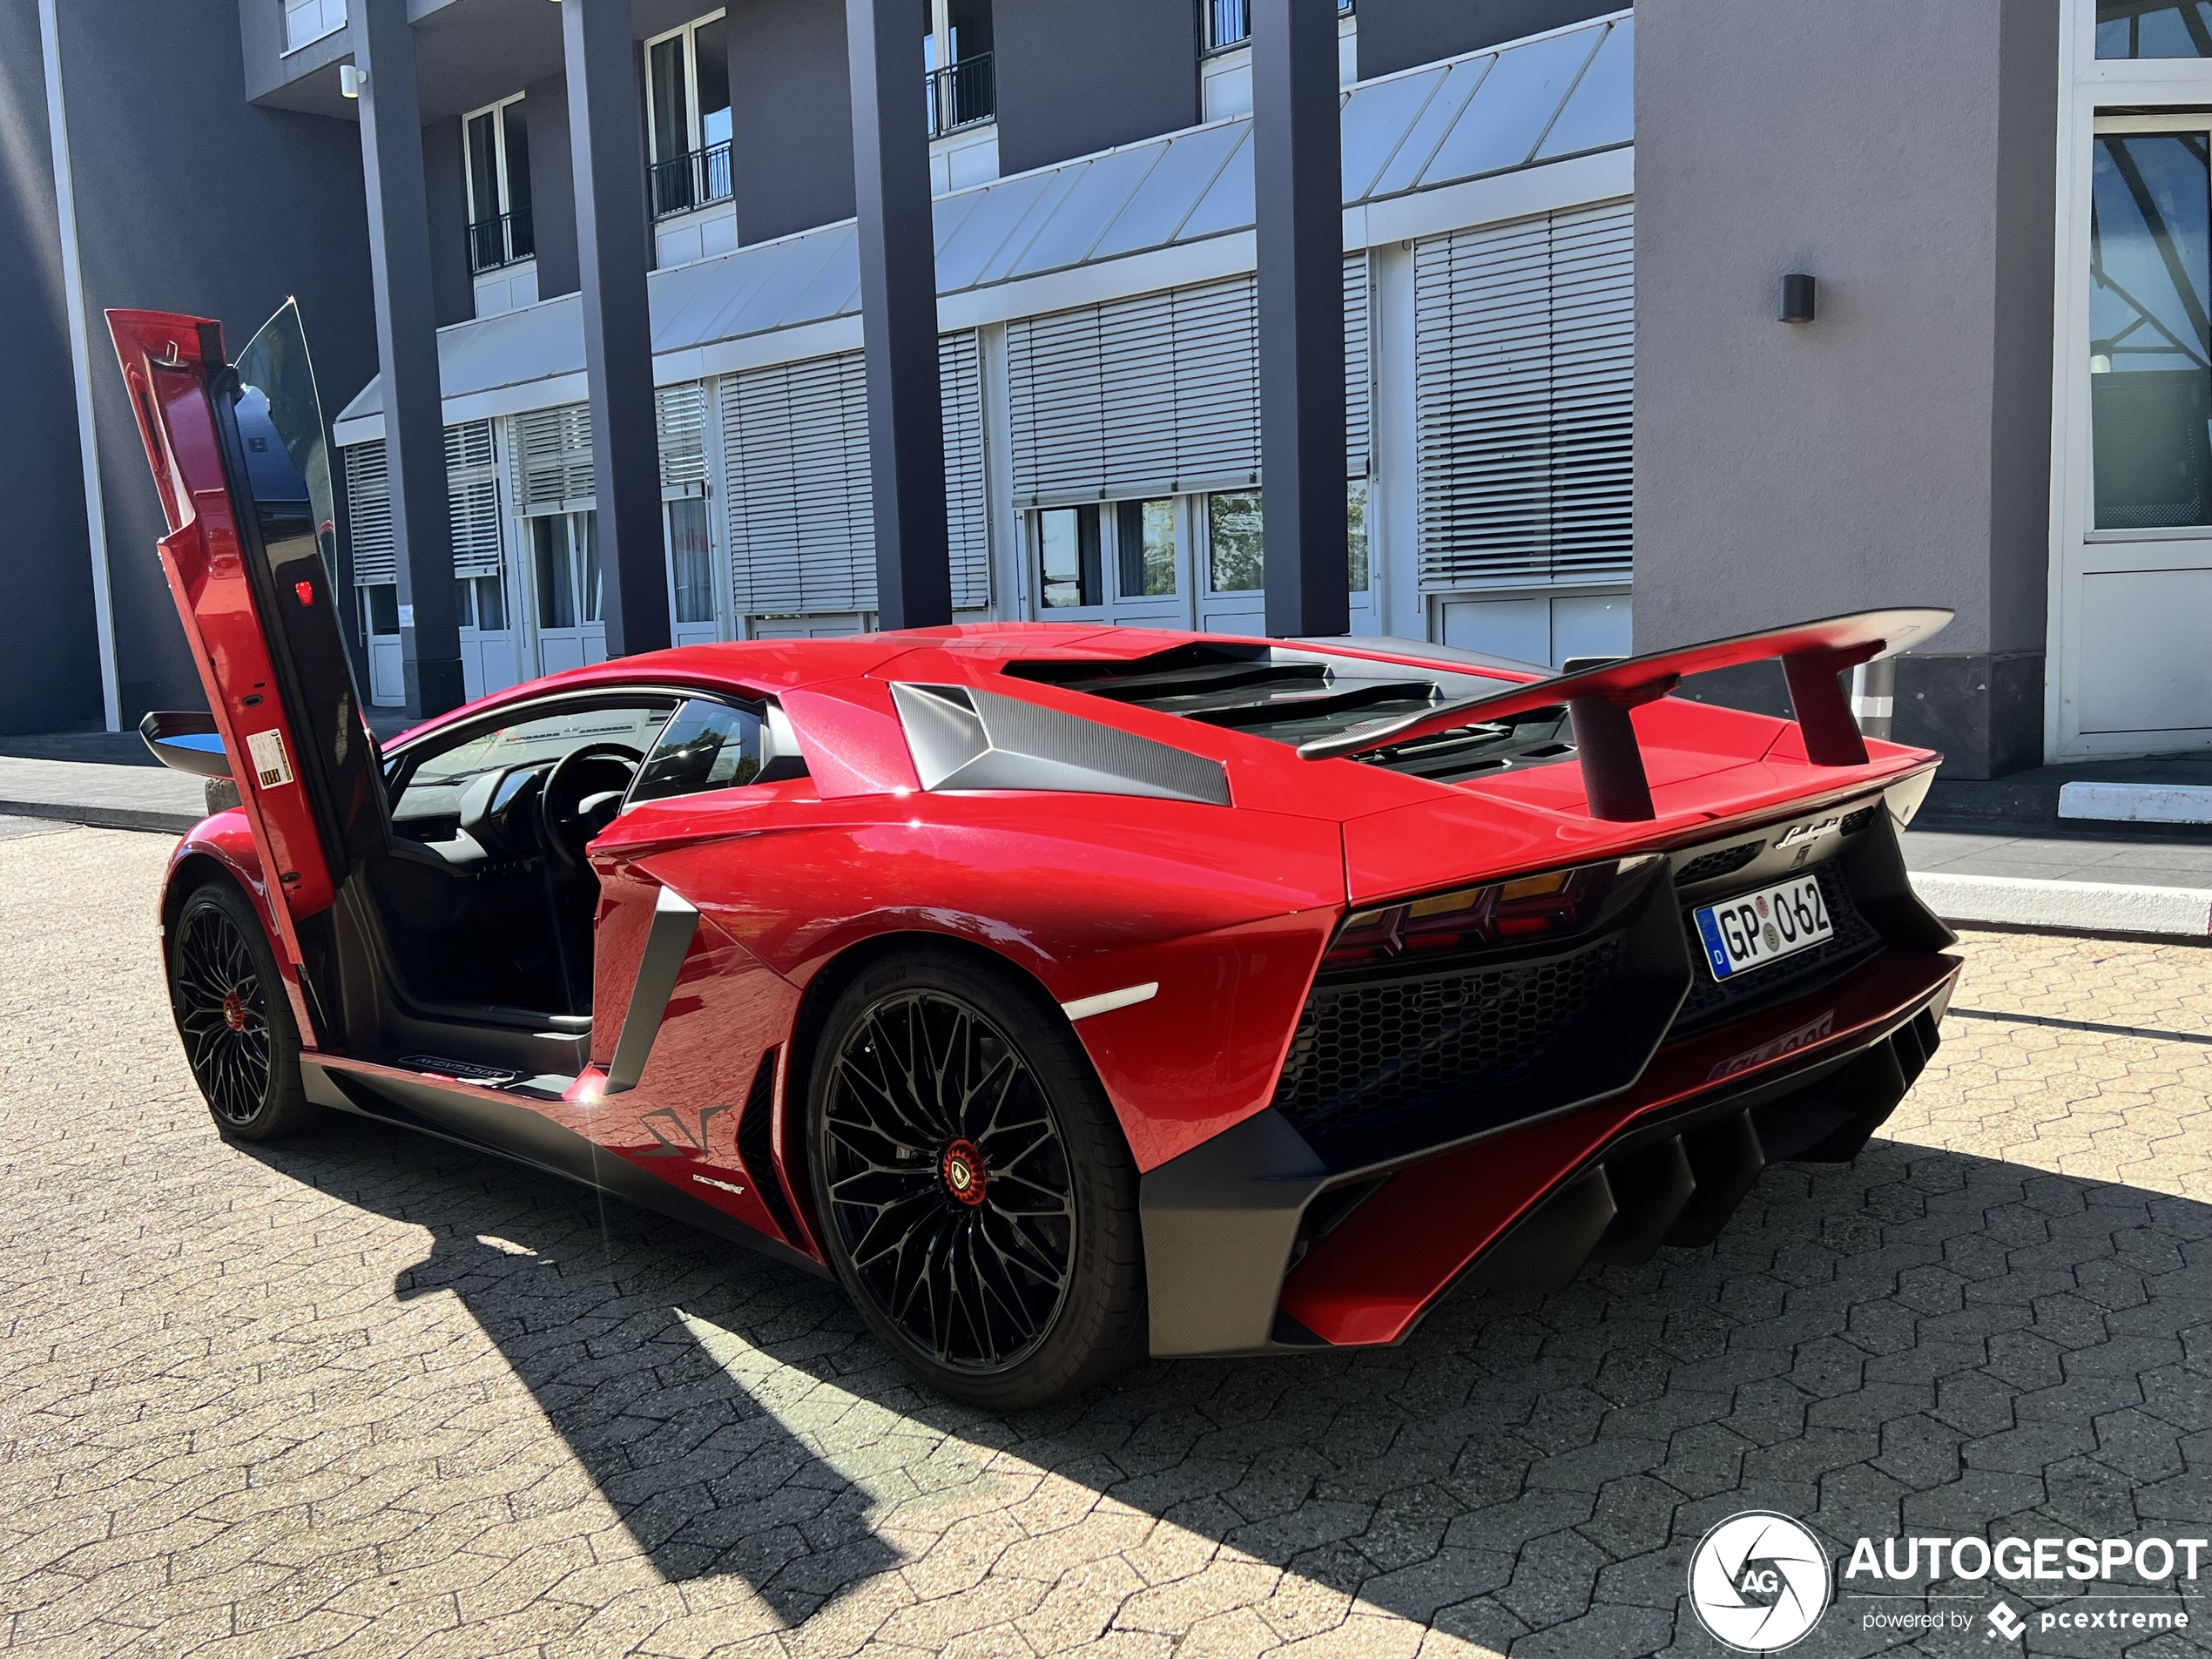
{"x": 1921, "y": 1342}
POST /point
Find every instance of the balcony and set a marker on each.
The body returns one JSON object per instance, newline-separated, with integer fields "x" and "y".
{"x": 497, "y": 242}
{"x": 1226, "y": 24}
{"x": 697, "y": 178}
{"x": 963, "y": 95}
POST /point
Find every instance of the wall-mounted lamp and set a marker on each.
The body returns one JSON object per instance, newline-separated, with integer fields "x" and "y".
{"x": 1797, "y": 298}
{"x": 349, "y": 81}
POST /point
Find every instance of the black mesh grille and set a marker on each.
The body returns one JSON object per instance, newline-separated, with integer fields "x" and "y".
{"x": 1712, "y": 1000}
{"x": 1854, "y": 822}
{"x": 756, "y": 1145}
{"x": 1727, "y": 861}
{"x": 1367, "y": 1052}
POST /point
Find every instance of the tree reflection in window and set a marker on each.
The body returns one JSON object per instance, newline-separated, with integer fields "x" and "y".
{"x": 2150, "y": 341}
{"x": 2154, "y": 28}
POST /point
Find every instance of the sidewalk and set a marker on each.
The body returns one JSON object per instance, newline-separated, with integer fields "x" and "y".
{"x": 1980, "y": 853}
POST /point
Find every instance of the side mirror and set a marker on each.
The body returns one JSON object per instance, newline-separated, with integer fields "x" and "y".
{"x": 186, "y": 742}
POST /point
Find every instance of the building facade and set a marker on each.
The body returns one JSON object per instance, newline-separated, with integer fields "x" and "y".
{"x": 1574, "y": 424}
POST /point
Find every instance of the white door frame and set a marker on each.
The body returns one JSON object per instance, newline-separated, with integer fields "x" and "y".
{"x": 2077, "y": 550}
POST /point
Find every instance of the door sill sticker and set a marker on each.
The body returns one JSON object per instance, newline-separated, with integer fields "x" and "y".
{"x": 270, "y": 766}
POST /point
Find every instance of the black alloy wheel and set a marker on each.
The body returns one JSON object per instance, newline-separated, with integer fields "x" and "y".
{"x": 979, "y": 1199}
{"x": 231, "y": 1011}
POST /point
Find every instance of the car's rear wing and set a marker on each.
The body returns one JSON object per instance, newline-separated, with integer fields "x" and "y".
{"x": 1813, "y": 654}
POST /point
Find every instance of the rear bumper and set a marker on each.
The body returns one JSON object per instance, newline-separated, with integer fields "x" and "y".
{"x": 1252, "y": 1244}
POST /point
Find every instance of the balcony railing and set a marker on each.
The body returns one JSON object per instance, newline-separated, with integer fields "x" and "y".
{"x": 962, "y": 95}
{"x": 697, "y": 179}
{"x": 504, "y": 241}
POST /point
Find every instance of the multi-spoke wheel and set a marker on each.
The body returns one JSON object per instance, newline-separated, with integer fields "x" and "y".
{"x": 231, "y": 1012}
{"x": 978, "y": 1199}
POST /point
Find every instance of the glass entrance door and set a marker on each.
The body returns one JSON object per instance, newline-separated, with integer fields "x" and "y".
{"x": 565, "y": 582}
{"x": 2135, "y": 588}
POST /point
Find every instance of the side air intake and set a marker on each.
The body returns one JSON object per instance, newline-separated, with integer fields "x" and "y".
{"x": 965, "y": 738}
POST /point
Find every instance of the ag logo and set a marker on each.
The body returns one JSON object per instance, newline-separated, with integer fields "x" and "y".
{"x": 1758, "y": 1581}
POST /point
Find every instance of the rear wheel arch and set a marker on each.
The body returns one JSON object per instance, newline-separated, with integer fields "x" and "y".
{"x": 820, "y": 996}
{"x": 1096, "y": 1324}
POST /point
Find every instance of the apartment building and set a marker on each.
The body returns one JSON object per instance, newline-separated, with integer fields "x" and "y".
{"x": 1576, "y": 424}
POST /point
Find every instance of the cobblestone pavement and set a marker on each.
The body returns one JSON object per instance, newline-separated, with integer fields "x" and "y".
{"x": 366, "y": 1394}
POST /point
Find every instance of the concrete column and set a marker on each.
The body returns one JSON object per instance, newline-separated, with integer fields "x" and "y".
{"x": 612, "y": 233}
{"x": 407, "y": 349}
{"x": 1297, "y": 182}
{"x": 913, "y": 573}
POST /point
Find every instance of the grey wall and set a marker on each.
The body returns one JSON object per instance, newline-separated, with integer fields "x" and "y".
{"x": 545, "y": 104}
{"x": 1075, "y": 79}
{"x": 445, "y": 185}
{"x": 50, "y": 671}
{"x": 792, "y": 116}
{"x": 1895, "y": 451}
{"x": 199, "y": 202}
{"x": 1397, "y": 33}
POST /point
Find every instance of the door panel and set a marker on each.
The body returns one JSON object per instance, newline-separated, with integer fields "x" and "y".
{"x": 2146, "y": 631}
{"x": 245, "y": 486}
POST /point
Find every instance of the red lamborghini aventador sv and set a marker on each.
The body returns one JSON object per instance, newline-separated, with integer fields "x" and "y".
{"x": 1069, "y": 994}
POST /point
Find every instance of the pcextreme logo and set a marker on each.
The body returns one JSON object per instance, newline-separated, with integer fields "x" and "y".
{"x": 1759, "y": 1582}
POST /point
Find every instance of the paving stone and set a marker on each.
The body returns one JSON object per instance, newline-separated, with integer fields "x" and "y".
{"x": 368, "y": 1394}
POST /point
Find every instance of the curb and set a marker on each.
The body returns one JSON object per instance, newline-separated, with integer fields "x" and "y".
{"x": 2094, "y": 907}
{"x": 124, "y": 817}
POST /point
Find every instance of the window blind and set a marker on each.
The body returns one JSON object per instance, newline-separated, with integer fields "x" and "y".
{"x": 553, "y": 460}
{"x": 679, "y": 420}
{"x": 472, "y": 499}
{"x": 795, "y": 461}
{"x": 1160, "y": 393}
{"x": 1358, "y": 357}
{"x": 1524, "y": 364}
{"x": 368, "y": 515}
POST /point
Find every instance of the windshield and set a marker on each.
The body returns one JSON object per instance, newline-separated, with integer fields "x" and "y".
{"x": 279, "y": 418}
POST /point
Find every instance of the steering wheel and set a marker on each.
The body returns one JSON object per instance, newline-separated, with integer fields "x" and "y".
{"x": 581, "y": 795}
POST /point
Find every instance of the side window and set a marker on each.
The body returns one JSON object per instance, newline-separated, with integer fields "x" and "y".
{"x": 706, "y": 745}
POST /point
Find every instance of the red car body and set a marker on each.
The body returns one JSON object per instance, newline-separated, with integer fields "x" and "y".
{"x": 1237, "y": 968}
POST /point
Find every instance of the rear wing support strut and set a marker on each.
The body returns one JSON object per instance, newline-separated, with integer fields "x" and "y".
{"x": 1812, "y": 654}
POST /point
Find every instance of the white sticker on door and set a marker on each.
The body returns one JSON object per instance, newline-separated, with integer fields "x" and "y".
{"x": 269, "y": 765}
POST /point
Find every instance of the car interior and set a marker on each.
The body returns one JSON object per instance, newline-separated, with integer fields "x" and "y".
{"x": 486, "y": 900}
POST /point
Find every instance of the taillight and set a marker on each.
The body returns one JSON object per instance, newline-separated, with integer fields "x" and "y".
{"x": 1551, "y": 905}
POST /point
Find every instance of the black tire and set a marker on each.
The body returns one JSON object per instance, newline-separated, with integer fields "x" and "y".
{"x": 938, "y": 1074}
{"x": 236, "y": 1021}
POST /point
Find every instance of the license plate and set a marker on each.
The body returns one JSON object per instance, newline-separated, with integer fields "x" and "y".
{"x": 1756, "y": 929}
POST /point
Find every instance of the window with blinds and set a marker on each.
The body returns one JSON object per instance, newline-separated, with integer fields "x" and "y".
{"x": 795, "y": 454}
{"x": 553, "y": 460}
{"x": 679, "y": 421}
{"x": 1524, "y": 363}
{"x": 472, "y": 499}
{"x": 368, "y": 515}
{"x": 1159, "y": 396}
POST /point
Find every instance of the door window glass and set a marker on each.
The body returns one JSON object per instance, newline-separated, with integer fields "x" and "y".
{"x": 711, "y": 52}
{"x": 1067, "y": 557}
{"x": 1233, "y": 541}
{"x": 706, "y": 745}
{"x": 515, "y": 133}
{"x": 1144, "y": 542}
{"x": 383, "y": 608}
{"x": 2150, "y": 343}
{"x": 2154, "y": 28}
{"x": 691, "y": 560}
{"x": 587, "y": 537}
{"x": 480, "y": 602}
{"x": 556, "y": 581}
{"x": 1355, "y": 525}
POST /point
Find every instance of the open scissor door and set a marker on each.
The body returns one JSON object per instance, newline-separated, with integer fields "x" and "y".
{"x": 240, "y": 458}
